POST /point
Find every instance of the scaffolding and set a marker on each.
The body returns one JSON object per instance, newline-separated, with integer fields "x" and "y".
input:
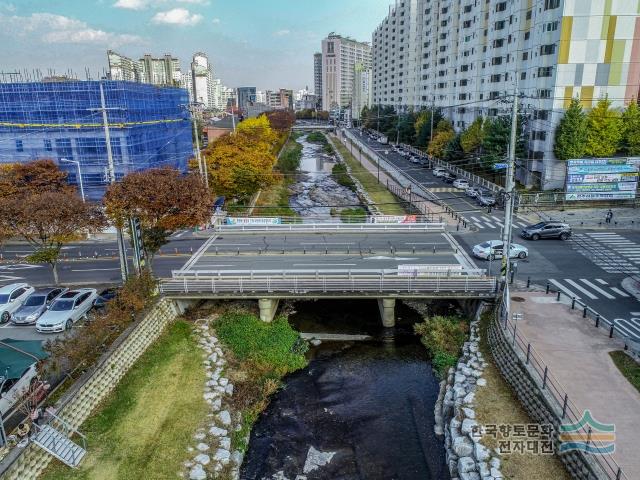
{"x": 60, "y": 120}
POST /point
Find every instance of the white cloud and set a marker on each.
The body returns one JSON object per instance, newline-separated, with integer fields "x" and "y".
{"x": 282, "y": 33}
{"x": 132, "y": 4}
{"x": 177, "y": 16}
{"x": 60, "y": 29}
{"x": 215, "y": 21}
{"x": 9, "y": 7}
{"x": 195, "y": 2}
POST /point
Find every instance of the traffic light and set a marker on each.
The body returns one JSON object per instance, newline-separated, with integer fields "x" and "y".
{"x": 135, "y": 228}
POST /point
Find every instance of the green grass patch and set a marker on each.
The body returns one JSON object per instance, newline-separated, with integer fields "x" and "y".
{"x": 353, "y": 215}
{"x": 262, "y": 353}
{"x": 289, "y": 159}
{"x": 144, "y": 427}
{"x": 443, "y": 337}
{"x": 317, "y": 137}
{"x": 340, "y": 175}
{"x": 627, "y": 366}
{"x": 383, "y": 198}
{"x": 274, "y": 201}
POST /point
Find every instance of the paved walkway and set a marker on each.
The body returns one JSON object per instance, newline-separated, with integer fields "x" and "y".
{"x": 578, "y": 356}
{"x": 623, "y": 217}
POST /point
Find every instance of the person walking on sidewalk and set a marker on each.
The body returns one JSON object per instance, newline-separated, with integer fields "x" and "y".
{"x": 608, "y": 216}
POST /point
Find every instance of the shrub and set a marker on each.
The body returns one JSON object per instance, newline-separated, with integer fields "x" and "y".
{"x": 340, "y": 175}
{"x": 443, "y": 337}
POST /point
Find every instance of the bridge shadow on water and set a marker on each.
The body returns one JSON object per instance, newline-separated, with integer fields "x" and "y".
{"x": 370, "y": 403}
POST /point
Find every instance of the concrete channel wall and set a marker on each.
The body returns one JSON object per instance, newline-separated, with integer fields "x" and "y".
{"x": 77, "y": 404}
{"x": 536, "y": 401}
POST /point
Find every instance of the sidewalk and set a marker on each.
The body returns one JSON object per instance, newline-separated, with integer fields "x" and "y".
{"x": 578, "y": 356}
{"x": 623, "y": 217}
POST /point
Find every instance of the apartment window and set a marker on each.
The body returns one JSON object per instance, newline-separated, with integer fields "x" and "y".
{"x": 496, "y": 61}
{"x": 551, "y": 4}
{"x": 525, "y": 55}
{"x": 499, "y": 25}
{"x": 527, "y": 35}
{"x": 495, "y": 78}
{"x": 466, "y": 24}
{"x": 19, "y": 146}
{"x": 551, "y": 26}
{"x": 529, "y": 15}
{"x": 498, "y": 43}
{"x": 462, "y": 96}
{"x": 493, "y": 112}
{"x": 541, "y": 114}
{"x": 544, "y": 93}
{"x": 493, "y": 95}
{"x": 548, "y": 49}
{"x": 544, "y": 71}
{"x": 467, "y": 8}
{"x": 47, "y": 146}
{"x": 464, "y": 82}
{"x": 464, "y": 68}
{"x": 501, "y": 7}
{"x": 442, "y": 85}
{"x": 523, "y": 76}
{"x": 539, "y": 135}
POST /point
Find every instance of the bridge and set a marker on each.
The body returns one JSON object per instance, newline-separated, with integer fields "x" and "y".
{"x": 381, "y": 261}
{"x": 311, "y": 125}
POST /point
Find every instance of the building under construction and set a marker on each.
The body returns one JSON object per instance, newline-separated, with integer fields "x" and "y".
{"x": 62, "y": 120}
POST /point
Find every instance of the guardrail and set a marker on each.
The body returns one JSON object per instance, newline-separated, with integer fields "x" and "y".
{"x": 335, "y": 227}
{"x": 567, "y": 411}
{"x": 325, "y": 284}
{"x": 423, "y": 271}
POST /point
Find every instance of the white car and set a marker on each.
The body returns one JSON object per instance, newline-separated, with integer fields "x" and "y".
{"x": 11, "y": 299}
{"x": 66, "y": 310}
{"x": 20, "y": 373}
{"x": 494, "y": 249}
{"x": 438, "y": 172}
{"x": 461, "y": 183}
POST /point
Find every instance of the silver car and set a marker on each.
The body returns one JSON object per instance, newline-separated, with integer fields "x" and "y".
{"x": 35, "y": 305}
{"x": 66, "y": 310}
{"x": 495, "y": 249}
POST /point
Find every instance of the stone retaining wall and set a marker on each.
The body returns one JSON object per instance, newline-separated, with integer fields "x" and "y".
{"x": 78, "y": 403}
{"x": 538, "y": 403}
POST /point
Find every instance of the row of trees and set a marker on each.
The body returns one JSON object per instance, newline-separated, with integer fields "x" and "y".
{"x": 601, "y": 132}
{"x": 39, "y": 205}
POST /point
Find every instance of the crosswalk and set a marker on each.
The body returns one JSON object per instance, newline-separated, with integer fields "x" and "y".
{"x": 629, "y": 327}
{"x": 610, "y": 251}
{"x": 588, "y": 289}
{"x": 491, "y": 222}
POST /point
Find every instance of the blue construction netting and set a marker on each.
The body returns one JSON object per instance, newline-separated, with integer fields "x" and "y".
{"x": 149, "y": 127}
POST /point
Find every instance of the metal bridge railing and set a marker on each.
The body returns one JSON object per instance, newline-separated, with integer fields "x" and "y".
{"x": 335, "y": 227}
{"x": 301, "y": 284}
{"x": 444, "y": 270}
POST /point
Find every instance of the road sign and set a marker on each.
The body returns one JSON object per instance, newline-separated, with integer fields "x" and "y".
{"x": 500, "y": 166}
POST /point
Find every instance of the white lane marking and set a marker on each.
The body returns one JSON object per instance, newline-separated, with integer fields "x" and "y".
{"x": 475, "y": 219}
{"x": 426, "y": 243}
{"x": 327, "y": 243}
{"x": 93, "y": 269}
{"x": 563, "y": 288}
{"x": 232, "y": 244}
{"x": 496, "y": 218}
{"x": 489, "y": 224}
{"x": 597, "y": 289}
{"x": 583, "y": 290}
{"x": 595, "y": 234}
{"x": 619, "y": 292}
{"x": 635, "y": 314}
{"x": 324, "y": 264}
{"x": 601, "y": 281}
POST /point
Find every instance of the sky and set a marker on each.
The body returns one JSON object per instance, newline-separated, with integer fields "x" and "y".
{"x": 268, "y": 44}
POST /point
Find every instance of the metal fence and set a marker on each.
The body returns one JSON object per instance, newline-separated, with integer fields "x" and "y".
{"x": 334, "y": 227}
{"x": 563, "y": 407}
{"x": 328, "y": 284}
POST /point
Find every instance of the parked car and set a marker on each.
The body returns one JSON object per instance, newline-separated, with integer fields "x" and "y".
{"x": 438, "y": 171}
{"x": 66, "y": 310}
{"x": 414, "y": 159}
{"x": 18, "y": 371}
{"x": 486, "y": 199}
{"x": 547, "y": 230}
{"x": 461, "y": 183}
{"x": 35, "y": 305}
{"x": 449, "y": 177}
{"x": 495, "y": 249}
{"x": 105, "y": 297}
{"x": 473, "y": 192}
{"x": 12, "y": 297}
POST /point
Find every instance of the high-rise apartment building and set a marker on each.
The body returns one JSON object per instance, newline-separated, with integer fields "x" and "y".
{"x": 465, "y": 56}
{"x": 361, "y": 90}
{"x": 156, "y": 71}
{"x": 202, "y": 74}
{"x": 339, "y": 57}
{"x": 280, "y": 100}
{"x": 317, "y": 76}
{"x": 123, "y": 68}
{"x": 246, "y": 96}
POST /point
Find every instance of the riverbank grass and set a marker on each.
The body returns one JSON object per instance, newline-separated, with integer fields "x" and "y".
{"x": 383, "y": 198}
{"x": 144, "y": 427}
{"x": 443, "y": 337}
{"x": 290, "y": 156}
{"x": 627, "y": 366}
{"x": 261, "y": 354}
{"x": 498, "y": 405}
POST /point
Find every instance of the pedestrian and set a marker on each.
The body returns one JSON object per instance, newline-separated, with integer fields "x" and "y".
{"x": 609, "y": 216}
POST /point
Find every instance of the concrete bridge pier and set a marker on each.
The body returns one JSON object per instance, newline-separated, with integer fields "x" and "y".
{"x": 268, "y": 308}
{"x": 387, "y": 308}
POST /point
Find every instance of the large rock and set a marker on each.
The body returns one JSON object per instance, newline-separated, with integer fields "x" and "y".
{"x": 222, "y": 456}
{"x": 316, "y": 459}
{"x": 469, "y": 398}
{"x": 225, "y": 418}
{"x": 465, "y": 465}
{"x": 469, "y": 476}
{"x": 203, "y": 458}
{"x": 468, "y": 426}
{"x": 225, "y": 442}
{"x": 462, "y": 446}
{"x": 481, "y": 382}
{"x": 481, "y": 452}
{"x": 468, "y": 412}
{"x": 203, "y": 447}
{"x": 217, "y": 432}
{"x": 197, "y": 473}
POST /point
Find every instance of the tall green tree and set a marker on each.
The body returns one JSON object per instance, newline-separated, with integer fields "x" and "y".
{"x": 406, "y": 129}
{"x": 442, "y": 135}
{"x": 496, "y": 139}
{"x": 571, "y": 133}
{"x": 604, "y": 132}
{"x": 423, "y": 126}
{"x": 471, "y": 139}
{"x": 453, "y": 151}
{"x": 631, "y": 129}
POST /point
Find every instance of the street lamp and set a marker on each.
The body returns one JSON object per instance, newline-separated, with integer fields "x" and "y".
{"x": 77, "y": 164}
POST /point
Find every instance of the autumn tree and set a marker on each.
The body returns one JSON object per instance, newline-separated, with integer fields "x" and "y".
{"x": 44, "y": 210}
{"x": 281, "y": 119}
{"x": 443, "y": 134}
{"x": 163, "y": 199}
{"x": 604, "y": 132}
{"x": 257, "y": 131}
{"x": 471, "y": 138}
{"x": 571, "y": 133}
{"x": 422, "y": 126}
{"x": 631, "y": 129}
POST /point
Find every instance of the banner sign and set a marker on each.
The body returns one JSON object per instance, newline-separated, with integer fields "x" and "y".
{"x": 601, "y": 179}
{"x": 253, "y": 221}
{"x": 394, "y": 219}
{"x": 419, "y": 269}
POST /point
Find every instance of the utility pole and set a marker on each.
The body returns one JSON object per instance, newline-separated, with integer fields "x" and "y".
{"x": 202, "y": 165}
{"x": 122, "y": 250}
{"x": 509, "y": 190}
{"x": 378, "y": 118}
{"x": 433, "y": 108}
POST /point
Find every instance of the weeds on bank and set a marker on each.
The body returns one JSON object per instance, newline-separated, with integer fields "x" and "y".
{"x": 444, "y": 338}
{"x": 627, "y": 366}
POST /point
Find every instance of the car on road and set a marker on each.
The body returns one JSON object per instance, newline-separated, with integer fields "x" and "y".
{"x": 547, "y": 230}
{"x": 12, "y": 297}
{"x": 449, "y": 177}
{"x": 495, "y": 249}
{"x": 473, "y": 192}
{"x": 438, "y": 171}
{"x": 461, "y": 183}
{"x": 66, "y": 310}
{"x": 414, "y": 159}
{"x": 35, "y": 305}
{"x": 486, "y": 198}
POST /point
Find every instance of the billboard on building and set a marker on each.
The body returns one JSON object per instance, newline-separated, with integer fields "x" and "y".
{"x": 601, "y": 179}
